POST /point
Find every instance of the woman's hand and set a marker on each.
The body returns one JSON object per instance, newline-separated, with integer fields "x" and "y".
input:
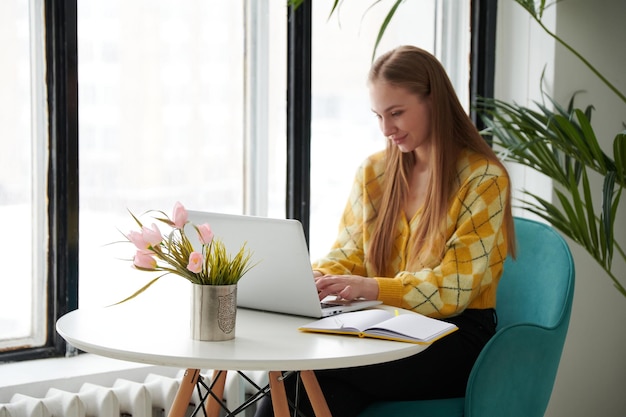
{"x": 349, "y": 287}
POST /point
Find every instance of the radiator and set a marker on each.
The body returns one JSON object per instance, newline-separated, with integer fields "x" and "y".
{"x": 151, "y": 398}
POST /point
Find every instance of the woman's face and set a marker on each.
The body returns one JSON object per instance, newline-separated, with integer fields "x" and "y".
{"x": 404, "y": 117}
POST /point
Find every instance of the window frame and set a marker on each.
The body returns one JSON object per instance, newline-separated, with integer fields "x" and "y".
{"x": 63, "y": 180}
{"x": 61, "y": 271}
{"x": 483, "y": 54}
{"x": 299, "y": 114}
{"x": 61, "y": 52}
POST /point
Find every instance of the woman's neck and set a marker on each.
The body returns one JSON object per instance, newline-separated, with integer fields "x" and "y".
{"x": 418, "y": 187}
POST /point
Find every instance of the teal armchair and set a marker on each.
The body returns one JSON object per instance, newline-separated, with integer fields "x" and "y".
{"x": 515, "y": 373}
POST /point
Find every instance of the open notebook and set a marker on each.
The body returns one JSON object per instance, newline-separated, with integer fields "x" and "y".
{"x": 282, "y": 279}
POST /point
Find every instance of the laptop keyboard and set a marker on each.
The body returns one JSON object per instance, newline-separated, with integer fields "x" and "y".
{"x": 334, "y": 303}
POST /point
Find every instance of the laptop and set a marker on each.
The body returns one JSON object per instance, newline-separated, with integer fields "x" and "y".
{"x": 281, "y": 280}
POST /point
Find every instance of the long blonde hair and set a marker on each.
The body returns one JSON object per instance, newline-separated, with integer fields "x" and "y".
{"x": 422, "y": 74}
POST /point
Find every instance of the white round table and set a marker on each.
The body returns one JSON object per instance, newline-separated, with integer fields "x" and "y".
{"x": 263, "y": 341}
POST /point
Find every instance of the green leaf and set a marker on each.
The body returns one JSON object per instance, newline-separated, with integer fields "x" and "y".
{"x": 550, "y": 212}
{"x": 335, "y": 5}
{"x": 591, "y": 216}
{"x": 295, "y": 3}
{"x": 139, "y": 291}
{"x": 529, "y": 5}
{"x": 608, "y": 216}
{"x": 570, "y": 213}
{"x": 136, "y": 219}
{"x": 384, "y": 25}
{"x": 568, "y": 137}
{"x": 589, "y": 137}
{"x": 619, "y": 153}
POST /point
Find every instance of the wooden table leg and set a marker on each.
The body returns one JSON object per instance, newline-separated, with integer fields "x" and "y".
{"x": 277, "y": 388}
{"x": 218, "y": 381}
{"x": 183, "y": 395}
{"x": 279, "y": 396}
{"x": 315, "y": 394}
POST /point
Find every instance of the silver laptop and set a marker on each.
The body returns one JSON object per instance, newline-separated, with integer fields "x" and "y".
{"x": 282, "y": 279}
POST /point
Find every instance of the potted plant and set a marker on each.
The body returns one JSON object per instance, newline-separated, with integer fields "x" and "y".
{"x": 560, "y": 142}
{"x": 213, "y": 273}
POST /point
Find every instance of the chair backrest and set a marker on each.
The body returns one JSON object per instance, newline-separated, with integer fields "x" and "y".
{"x": 537, "y": 287}
{"x": 514, "y": 374}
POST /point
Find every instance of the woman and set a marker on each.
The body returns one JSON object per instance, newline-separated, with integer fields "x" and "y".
{"x": 427, "y": 227}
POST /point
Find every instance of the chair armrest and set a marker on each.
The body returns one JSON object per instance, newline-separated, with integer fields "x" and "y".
{"x": 515, "y": 373}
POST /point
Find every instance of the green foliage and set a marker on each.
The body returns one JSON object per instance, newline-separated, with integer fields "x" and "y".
{"x": 561, "y": 144}
{"x": 221, "y": 269}
{"x": 383, "y": 27}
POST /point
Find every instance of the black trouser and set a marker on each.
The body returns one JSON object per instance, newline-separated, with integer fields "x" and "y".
{"x": 441, "y": 371}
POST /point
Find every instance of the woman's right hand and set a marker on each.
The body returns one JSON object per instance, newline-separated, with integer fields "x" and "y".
{"x": 349, "y": 287}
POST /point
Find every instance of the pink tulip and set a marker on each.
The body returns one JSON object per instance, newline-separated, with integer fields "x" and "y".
{"x": 152, "y": 235}
{"x": 144, "y": 260}
{"x": 137, "y": 239}
{"x": 180, "y": 215}
{"x": 205, "y": 233}
{"x": 195, "y": 262}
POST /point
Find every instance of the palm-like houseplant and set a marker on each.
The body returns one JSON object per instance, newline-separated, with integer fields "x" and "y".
{"x": 560, "y": 142}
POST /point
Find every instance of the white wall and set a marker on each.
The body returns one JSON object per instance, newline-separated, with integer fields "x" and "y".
{"x": 592, "y": 374}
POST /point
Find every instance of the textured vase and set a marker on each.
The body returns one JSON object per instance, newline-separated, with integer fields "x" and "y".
{"x": 213, "y": 312}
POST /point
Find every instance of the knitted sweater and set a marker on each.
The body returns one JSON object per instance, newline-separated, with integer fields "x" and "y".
{"x": 475, "y": 250}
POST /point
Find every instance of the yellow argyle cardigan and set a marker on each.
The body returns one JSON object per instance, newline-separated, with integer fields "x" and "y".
{"x": 468, "y": 274}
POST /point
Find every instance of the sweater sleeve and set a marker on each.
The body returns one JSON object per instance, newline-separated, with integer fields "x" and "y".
{"x": 474, "y": 254}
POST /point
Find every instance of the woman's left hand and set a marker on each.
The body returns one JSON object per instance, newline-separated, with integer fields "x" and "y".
{"x": 349, "y": 287}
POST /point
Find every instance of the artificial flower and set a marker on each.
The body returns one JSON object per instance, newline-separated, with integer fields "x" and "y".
{"x": 152, "y": 235}
{"x": 180, "y": 215}
{"x": 195, "y": 262}
{"x": 174, "y": 253}
{"x": 206, "y": 234}
{"x": 143, "y": 260}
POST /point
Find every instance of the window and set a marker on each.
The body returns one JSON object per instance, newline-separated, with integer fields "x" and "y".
{"x": 166, "y": 89}
{"x": 178, "y": 101}
{"x": 22, "y": 175}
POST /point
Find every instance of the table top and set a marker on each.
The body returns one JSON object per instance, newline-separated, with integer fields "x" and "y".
{"x": 263, "y": 341}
